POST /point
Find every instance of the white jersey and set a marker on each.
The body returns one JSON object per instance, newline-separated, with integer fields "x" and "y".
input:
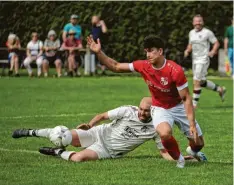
{"x": 34, "y": 47}
{"x": 200, "y": 41}
{"x": 126, "y": 132}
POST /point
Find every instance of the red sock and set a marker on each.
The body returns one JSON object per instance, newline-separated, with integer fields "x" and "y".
{"x": 194, "y": 147}
{"x": 172, "y": 147}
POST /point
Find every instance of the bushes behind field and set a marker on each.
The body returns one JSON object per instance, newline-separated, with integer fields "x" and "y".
{"x": 128, "y": 22}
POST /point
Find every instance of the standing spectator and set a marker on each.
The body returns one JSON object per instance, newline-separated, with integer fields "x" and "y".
{"x": 199, "y": 44}
{"x": 34, "y": 53}
{"x": 228, "y": 45}
{"x": 73, "y": 25}
{"x": 98, "y": 30}
{"x": 13, "y": 45}
{"x": 72, "y": 45}
{"x": 51, "y": 46}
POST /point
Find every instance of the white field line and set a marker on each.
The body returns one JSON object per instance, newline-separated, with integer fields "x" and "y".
{"x": 48, "y": 116}
{"x": 19, "y": 150}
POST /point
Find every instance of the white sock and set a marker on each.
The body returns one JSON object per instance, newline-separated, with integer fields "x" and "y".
{"x": 181, "y": 157}
{"x": 66, "y": 154}
{"x": 39, "y": 71}
{"x": 210, "y": 85}
{"x": 29, "y": 69}
{"x": 40, "y": 132}
{"x": 45, "y": 74}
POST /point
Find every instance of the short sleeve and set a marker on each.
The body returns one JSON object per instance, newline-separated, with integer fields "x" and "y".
{"x": 57, "y": 43}
{"x": 180, "y": 79}
{"x": 117, "y": 113}
{"x": 136, "y": 66}
{"x": 45, "y": 43}
{"x": 40, "y": 44}
{"x": 190, "y": 35}
{"x": 226, "y": 33}
{"x": 66, "y": 28}
{"x": 212, "y": 37}
{"x": 28, "y": 45}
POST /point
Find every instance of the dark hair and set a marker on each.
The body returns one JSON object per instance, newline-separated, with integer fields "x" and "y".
{"x": 153, "y": 41}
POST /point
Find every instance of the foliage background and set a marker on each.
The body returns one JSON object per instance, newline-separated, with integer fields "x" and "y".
{"x": 128, "y": 22}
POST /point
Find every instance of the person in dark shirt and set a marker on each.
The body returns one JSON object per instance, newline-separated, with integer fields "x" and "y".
{"x": 98, "y": 31}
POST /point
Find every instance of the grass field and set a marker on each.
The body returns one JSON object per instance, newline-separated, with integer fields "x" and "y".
{"x": 40, "y": 103}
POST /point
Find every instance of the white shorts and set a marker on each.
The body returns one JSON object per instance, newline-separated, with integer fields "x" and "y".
{"x": 175, "y": 115}
{"x": 200, "y": 70}
{"x": 92, "y": 139}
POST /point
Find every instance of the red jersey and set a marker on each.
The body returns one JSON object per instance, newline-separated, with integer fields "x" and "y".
{"x": 163, "y": 83}
{"x": 72, "y": 43}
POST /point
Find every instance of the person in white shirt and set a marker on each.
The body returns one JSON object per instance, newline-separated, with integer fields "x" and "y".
{"x": 131, "y": 126}
{"x": 34, "y": 53}
{"x": 199, "y": 44}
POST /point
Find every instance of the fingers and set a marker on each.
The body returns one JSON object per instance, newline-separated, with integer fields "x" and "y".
{"x": 98, "y": 41}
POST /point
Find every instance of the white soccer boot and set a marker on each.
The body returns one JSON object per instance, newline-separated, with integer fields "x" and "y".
{"x": 200, "y": 156}
{"x": 180, "y": 162}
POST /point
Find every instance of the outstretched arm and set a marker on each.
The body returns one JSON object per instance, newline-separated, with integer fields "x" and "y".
{"x": 107, "y": 61}
{"x": 98, "y": 118}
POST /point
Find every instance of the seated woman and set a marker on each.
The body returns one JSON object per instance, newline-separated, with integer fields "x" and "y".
{"x": 51, "y": 46}
{"x": 34, "y": 53}
{"x": 72, "y": 45}
{"x": 13, "y": 45}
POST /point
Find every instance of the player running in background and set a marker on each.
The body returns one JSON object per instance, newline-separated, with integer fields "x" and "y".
{"x": 131, "y": 127}
{"x": 199, "y": 44}
{"x": 169, "y": 88}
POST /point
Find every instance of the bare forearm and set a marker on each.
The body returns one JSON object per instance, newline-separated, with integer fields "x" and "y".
{"x": 166, "y": 155}
{"x": 215, "y": 47}
{"x": 189, "y": 48}
{"x": 107, "y": 61}
{"x": 97, "y": 119}
{"x": 226, "y": 43}
{"x": 189, "y": 109}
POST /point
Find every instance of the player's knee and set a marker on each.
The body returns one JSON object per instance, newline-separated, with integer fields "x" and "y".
{"x": 77, "y": 157}
{"x": 67, "y": 138}
{"x": 203, "y": 83}
{"x": 26, "y": 62}
{"x": 165, "y": 135}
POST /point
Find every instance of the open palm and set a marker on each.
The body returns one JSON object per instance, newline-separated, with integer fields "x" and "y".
{"x": 95, "y": 47}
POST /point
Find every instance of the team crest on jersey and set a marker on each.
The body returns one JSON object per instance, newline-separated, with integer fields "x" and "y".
{"x": 164, "y": 81}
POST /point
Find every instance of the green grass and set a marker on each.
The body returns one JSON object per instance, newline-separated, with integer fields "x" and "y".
{"x": 40, "y": 103}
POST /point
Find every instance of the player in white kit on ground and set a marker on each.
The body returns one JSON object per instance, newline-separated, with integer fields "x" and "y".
{"x": 199, "y": 44}
{"x": 131, "y": 127}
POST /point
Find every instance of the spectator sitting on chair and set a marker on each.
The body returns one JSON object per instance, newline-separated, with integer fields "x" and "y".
{"x": 73, "y": 25}
{"x": 34, "y": 53}
{"x": 51, "y": 46}
{"x": 98, "y": 30}
{"x": 72, "y": 45}
{"x": 13, "y": 45}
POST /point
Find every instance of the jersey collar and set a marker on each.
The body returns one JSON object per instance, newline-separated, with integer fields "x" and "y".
{"x": 165, "y": 61}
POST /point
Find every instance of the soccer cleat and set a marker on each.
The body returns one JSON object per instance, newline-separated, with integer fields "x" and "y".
{"x": 51, "y": 151}
{"x": 18, "y": 133}
{"x": 222, "y": 93}
{"x": 200, "y": 156}
{"x": 180, "y": 162}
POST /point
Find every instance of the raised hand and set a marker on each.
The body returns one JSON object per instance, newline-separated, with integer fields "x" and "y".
{"x": 95, "y": 47}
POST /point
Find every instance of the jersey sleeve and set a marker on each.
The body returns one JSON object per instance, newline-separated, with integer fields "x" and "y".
{"x": 190, "y": 35}
{"x": 180, "y": 79}
{"x": 212, "y": 37}
{"x": 226, "y": 33}
{"x": 136, "y": 66}
{"x": 117, "y": 113}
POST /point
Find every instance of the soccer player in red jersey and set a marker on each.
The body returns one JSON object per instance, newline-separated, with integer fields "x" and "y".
{"x": 171, "y": 101}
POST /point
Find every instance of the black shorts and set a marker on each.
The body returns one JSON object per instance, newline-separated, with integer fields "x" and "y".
{"x": 51, "y": 59}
